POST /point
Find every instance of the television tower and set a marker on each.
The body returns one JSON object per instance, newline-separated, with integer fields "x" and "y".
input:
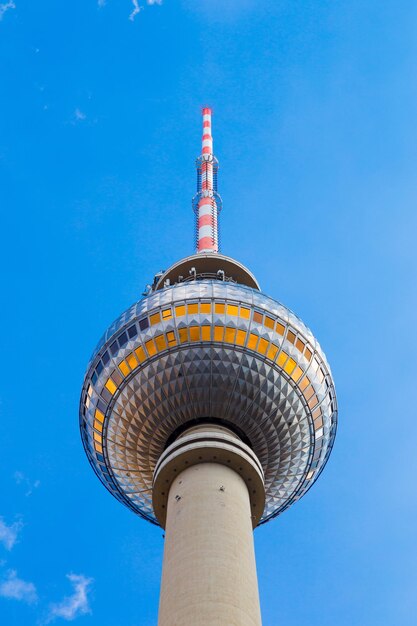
{"x": 208, "y": 408}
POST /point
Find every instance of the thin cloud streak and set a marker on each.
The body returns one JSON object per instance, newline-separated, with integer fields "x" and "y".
{"x": 75, "y": 605}
{"x": 21, "y": 479}
{"x": 5, "y": 7}
{"x": 9, "y": 534}
{"x": 14, "y": 588}
{"x": 136, "y": 9}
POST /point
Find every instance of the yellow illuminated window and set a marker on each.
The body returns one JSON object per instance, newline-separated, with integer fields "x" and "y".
{"x": 313, "y": 402}
{"x": 218, "y": 333}
{"x": 124, "y": 368}
{"x": 97, "y": 437}
{"x": 307, "y": 354}
{"x": 171, "y": 338}
{"x": 110, "y": 386}
{"x": 194, "y": 333}
{"x": 280, "y": 328}
{"x": 87, "y": 402}
{"x": 166, "y": 314}
{"x": 231, "y": 309}
{"x": 132, "y": 361}
{"x": 300, "y": 345}
{"x": 310, "y": 475}
{"x": 192, "y": 308}
{"x": 205, "y": 307}
{"x": 240, "y": 337}
{"x": 150, "y": 346}
{"x": 272, "y": 352}
{"x": 180, "y": 310}
{"x": 230, "y": 334}
{"x": 304, "y": 383}
{"x": 252, "y": 341}
{"x": 282, "y": 358}
{"x": 89, "y": 390}
{"x": 140, "y": 354}
{"x": 98, "y": 448}
{"x": 297, "y": 373}
{"x": 206, "y": 333}
{"x": 258, "y": 317}
{"x": 98, "y": 426}
{"x": 160, "y": 343}
{"x": 263, "y": 344}
{"x": 269, "y": 322}
{"x": 291, "y": 336}
{"x": 290, "y": 365}
{"x": 317, "y": 413}
{"x": 155, "y": 319}
{"x": 99, "y": 415}
{"x": 219, "y": 307}
{"x": 183, "y": 335}
{"x": 244, "y": 312}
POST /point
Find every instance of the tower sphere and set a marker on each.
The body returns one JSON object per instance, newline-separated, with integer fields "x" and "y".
{"x": 208, "y": 349}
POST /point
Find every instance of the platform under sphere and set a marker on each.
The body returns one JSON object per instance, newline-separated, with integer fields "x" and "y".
{"x": 209, "y": 350}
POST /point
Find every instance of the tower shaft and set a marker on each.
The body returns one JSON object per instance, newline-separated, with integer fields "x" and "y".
{"x": 209, "y": 571}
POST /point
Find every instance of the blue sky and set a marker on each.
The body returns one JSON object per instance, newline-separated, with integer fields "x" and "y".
{"x": 315, "y": 129}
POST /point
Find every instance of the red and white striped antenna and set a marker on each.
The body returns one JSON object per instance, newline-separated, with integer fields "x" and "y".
{"x": 207, "y": 203}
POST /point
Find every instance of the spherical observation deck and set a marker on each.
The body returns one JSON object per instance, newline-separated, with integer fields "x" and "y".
{"x": 208, "y": 350}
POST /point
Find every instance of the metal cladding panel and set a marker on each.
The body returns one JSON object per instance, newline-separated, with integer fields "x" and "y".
{"x": 208, "y": 349}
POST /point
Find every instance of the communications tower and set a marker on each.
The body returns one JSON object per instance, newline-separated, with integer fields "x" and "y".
{"x": 208, "y": 408}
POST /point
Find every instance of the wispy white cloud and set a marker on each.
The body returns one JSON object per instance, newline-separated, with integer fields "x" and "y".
{"x": 136, "y": 9}
{"x": 79, "y": 116}
{"x": 5, "y": 6}
{"x": 17, "y": 589}
{"x": 154, "y": 1}
{"x": 75, "y": 605}
{"x": 9, "y": 534}
{"x": 101, "y": 3}
{"x": 23, "y": 480}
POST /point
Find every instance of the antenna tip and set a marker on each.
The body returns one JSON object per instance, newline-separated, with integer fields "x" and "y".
{"x": 206, "y": 110}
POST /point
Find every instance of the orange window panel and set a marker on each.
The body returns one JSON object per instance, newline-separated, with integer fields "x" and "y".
{"x": 98, "y": 415}
{"x": 304, "y": 383}
{"x": 97, "y": 437}
{"x": 291, "y": 336}
{"x": 282, "y": 357}
{"x": 160, "y": 343}
{"x": 166, "y": 314}
{"x": 219, "y": 307}
{"x": 280, "y": 328}
{"x": 269, "y": 322}
{"x": 308, "y": 354}
{"x": 140, "y": 354}
{"x": 258, "y": 317}
{"x": 205, "y": 307}
{"x": 150, "y": 346}
{"x": 244, "y": 312}
{"x": 192, "y": 308}
{"x": 240, "y": 337}
{"x": 308, "y": 393}
{"x": 183, "y": 334}
{"x": 98, "y": 448}
{"x": 194, "y": 333}
{"x": 90, "y": 391}
{"x": 313, "y": 402}
{"x": 171, "y": 338}
{"x": 110, "y": 386}
{"x": 252, "y": 341}
{"x": 289, "y": 366}
{"x": 263, "y": 345}
{"x": 232, "y": 309}
{"x": 155, "y": 319}
{"x": 180, "y": 310}
{"x": 206, "y": 333}
{"x": 297, "y": 373}
{"x": 132, "y": 361}
{"x": 230, "y": 334}
{"x": 98, "y": 426}
{"x": 317, "y": 413}
{"x": 300, "y": 345}
{"x": 124, "y": 368}
{"x": 318, "y": 423}
{"x": 272, "y": 352}
{"x": 218, "y": 333}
